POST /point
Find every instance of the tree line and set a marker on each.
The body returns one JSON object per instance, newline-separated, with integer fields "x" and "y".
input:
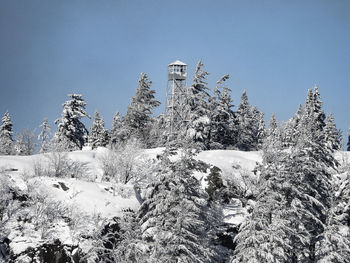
{"x": 207, "y": 121}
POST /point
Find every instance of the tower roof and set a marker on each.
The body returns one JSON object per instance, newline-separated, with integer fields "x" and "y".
{"x": 177, "y": 62}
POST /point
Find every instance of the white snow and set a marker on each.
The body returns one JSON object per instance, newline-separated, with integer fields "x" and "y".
{"x": 93, "y": 197}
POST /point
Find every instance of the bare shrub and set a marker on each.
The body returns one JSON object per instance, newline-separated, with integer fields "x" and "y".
{"x": 45, "y": 212}
{"x": 25, "y": 143}
{"x": 59, "y": 165}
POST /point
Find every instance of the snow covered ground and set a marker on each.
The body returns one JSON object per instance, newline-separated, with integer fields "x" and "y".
{"x": 92, "y": 197}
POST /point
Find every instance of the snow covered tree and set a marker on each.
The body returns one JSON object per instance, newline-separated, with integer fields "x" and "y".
{"x": 138, "y": 118}
{"x": 98, "y": 135}
{"x": 158, "y": 133}
{"x": 333, "y": 136}
{"x": 115, "y": 131}
{"x": 6, "y": 131}
{"x": 334, "y": 244}
{"x": 223, "y": 126}
{"x": 258, "y": 127}
{"x": 71, "y": 133}
{"x": 264, "y": 236}
{"x": 196, "y": 130}
{"x": 348, "y": 144}
{"x": 44, "y": 136}
{"x": 320, "y": 116}
{"x": 245, "y": 138}
{"x": 272, "y": 143}
{"x": 290, "y": 131}
{"x": 309, "y": 185}
{"x": 175, "y": 218}
{"x": 25, "y": 143}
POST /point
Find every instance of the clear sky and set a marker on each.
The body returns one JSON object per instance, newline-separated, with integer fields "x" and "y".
{"x": 276, "y": 50}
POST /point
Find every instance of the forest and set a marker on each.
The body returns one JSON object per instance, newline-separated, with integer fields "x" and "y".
{"x": 165, "y": 195}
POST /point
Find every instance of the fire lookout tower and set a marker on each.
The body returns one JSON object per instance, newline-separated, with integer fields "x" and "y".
{"x": 176, "y": 94}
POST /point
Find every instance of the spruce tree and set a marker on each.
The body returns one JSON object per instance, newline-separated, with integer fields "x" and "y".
{"x": 348, "y": 145}
{"x": 290, "y": 131}
{"x": 138, "y": 118}
{"x": 71, "y": 133}
{"x": 223, "y": 121}
{"x": 44, "y": 136}
{"x": 98, "y": 135}
{"x": 175, "y": 218}
{"x": 198, "y": 124}
{"x": 334, "y": 244}
{"x": 116, "y": 129}
{"x": 258, "y": 128}
{"x": 263, "y": 238}
{"x": 309, "y": 184}
{"x": 245, "y": 138}
{"x": 6, "y": 132}
{"x": 320, "y": 116}
{"x": 332, "y": 134}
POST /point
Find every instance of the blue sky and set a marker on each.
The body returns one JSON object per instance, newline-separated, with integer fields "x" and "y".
{"x": 276, "y": 50}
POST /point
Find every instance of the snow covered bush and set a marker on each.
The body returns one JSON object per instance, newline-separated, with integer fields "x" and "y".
{"x": 8, "y": 206}
{"x": 124, "y": 163}
{"x": 60, "y": 165}
{"x": 25, "y": 143}
{"x": 45, "y": 212}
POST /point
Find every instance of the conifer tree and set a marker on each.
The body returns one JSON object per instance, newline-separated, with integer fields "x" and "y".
{"x": 71, "y": 133}
{"x": 98, "y": 135}
{"x": 320, "y": 116}
{"x": 310, "y": 186}
{"x": 290, "y": 131}
{"x": 334, "y": 245}
{"x": 264, "y": 237}
{"x": 44, "y": 136}
{"x": 333, "y": 136}
{"x": 116, "y": 129}
{"x": 258, "y": 128}
{"x": 245, "y": 138}
{"x": 223, "y": 126}
{"x": 138, "y": 118}
{"x": 197, "y": 129}
{"x": 174, "y": 217}
{"x": 272, "y": 143}
{"x": 6, "y": 132}
{"x": 348, "y": 145}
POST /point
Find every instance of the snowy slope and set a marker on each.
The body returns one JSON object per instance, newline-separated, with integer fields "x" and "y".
{"x": 92, "y": 197}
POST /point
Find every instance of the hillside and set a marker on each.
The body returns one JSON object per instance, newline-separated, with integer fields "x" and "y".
{"x": 90, "y": 197}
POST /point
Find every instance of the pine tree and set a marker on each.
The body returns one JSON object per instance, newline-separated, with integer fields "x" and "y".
{"x": 333, "y": 136}
{"x": 245, "y": 139}
{"x": 334, "y": 245}
{"x": 319, "y": 114}
{"x": 116, "y": 129}
{"x": 44, "y": 136}
{"x": 264, "y": 237}
{"x": 258, "y": 127}
{"x": 290, "y": 131}
{"x": 6, "y": 132}
{"x": 223, "y": 126}
{"x": 71, "y": 133}
{"x": 272, "y": 143}
{"x": 348, "y": 148}
{"x": 98, "y": 135}
{"x": 196, "y": 130}
{"x": 175, "y": 218}
{"x": 309, "y": 181}
{"x": 138, "y": 118}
